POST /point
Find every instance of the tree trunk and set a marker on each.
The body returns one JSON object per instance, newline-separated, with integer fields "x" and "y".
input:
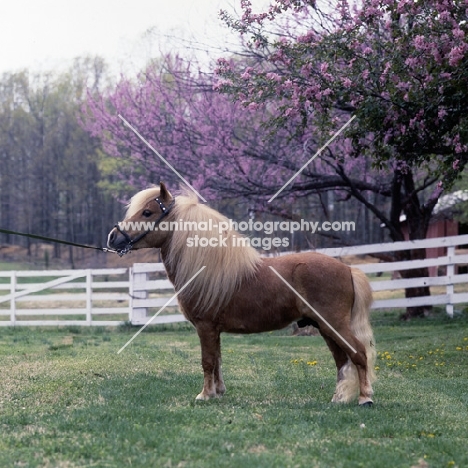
{"x": 416, "y": 311}
{"x": 417, "y": 217}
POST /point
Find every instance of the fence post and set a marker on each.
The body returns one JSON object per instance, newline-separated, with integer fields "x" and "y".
{"x": 137, "y": 291}
{"x": 12, "y": 300}
{"x": 89, "y": 297}
{"x": 450, "y": 274}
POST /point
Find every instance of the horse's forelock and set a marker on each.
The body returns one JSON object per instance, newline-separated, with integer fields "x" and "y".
{"x": 139, "y": 201}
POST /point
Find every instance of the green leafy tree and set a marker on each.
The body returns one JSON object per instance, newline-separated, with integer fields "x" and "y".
{"x": 398, "y": 67}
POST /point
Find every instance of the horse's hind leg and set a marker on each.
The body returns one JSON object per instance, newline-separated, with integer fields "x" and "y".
{"x": 357, "y": 363}
{"x": 351, "y": 362}
{"x": 359, "y": 359}
{"x": 210, "y": 341}
{"x": 341, "y": 359}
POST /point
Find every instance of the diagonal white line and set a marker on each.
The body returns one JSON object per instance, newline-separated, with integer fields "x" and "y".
{"x": 161, "y": 309}
{"x": 147, "y": 143}
{"x": 310, "y": 307}
{"x": 311, "y": 159}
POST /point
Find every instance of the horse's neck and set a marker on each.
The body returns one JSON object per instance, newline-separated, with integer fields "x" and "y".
{"x": 169, "y": 268}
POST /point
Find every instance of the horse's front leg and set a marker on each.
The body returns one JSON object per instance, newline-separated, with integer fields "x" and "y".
{"x": 210, "y": 341}
{"x": 218, "y": 375}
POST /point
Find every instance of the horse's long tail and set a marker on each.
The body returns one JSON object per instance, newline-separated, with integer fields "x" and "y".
{"x": 348, "y": 387}
{"x": 360, "y": 323}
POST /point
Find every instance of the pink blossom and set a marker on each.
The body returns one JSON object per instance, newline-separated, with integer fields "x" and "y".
{"x": 347, "y": 82}
{"x": 273, "y": 76}
{"x": 419, "y": 42}
{"x": 411, "y": 61}
{"x": 442, "y": 113}
{"x": 456, "y": 55}
{"x": 324, "y": 67}
{"x": 436, "y": 54}
{"x": 309, "y": 37}
{"x": 458, "y": 33}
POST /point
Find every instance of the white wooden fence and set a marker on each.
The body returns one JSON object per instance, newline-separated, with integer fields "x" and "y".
{"x": 145, "y": 294}
{"x": 84, "y": 296}
{"x": 449, "y": 261}
{"x": 114, "y": 296}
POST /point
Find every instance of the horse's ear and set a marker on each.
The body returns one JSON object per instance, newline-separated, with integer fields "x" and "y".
{"x": 163, "y": 192}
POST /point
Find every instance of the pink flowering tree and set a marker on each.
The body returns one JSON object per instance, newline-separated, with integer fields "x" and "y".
{"x": 399, "y": 67}
{"x": 218, "y": 145}
{"x": 201, "y": 132}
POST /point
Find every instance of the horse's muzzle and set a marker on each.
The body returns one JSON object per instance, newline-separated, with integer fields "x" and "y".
{"x": 116, "y": 240}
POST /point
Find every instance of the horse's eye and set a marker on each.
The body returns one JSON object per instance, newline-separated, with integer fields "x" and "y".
{"x": 146, "y": 213}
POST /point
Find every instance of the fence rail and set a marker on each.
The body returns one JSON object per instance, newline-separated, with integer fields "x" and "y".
{"x": 448, "y": 262}
{"x": 105, "y": 297}
{"x": 81, "y": 296}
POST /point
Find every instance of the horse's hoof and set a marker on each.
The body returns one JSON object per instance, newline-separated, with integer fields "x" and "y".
{"x": 204, "y": 397}
{"x": 367, "y": 404}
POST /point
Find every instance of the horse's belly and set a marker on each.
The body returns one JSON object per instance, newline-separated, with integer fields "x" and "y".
{"x": 256, "y": 320}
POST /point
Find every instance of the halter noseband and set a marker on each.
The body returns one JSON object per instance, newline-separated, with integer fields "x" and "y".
{"x": 131, "y": 242}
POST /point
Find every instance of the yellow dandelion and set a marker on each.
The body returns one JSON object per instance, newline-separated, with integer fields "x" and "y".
{"x": 377, "y": 368}
{"x": 458, "y": 348}
{"x": 311, "y": 363}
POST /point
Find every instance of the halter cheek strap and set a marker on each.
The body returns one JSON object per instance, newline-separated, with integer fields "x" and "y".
{"x": 131, "y": 242}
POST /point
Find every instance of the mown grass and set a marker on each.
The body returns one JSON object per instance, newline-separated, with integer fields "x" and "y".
{"x": 67, "y": 400}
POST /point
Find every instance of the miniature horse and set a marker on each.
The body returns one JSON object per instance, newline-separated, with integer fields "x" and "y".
{"x": 240, "y": 292}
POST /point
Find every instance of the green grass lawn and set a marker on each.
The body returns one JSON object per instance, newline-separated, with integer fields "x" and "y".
{"x": 68, "y": 400}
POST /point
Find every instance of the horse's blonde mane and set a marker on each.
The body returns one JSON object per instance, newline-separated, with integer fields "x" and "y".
{"x": 226, "y": 267}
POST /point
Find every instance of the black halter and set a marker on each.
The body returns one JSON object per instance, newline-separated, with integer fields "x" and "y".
{"x": 131, "y": 242}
